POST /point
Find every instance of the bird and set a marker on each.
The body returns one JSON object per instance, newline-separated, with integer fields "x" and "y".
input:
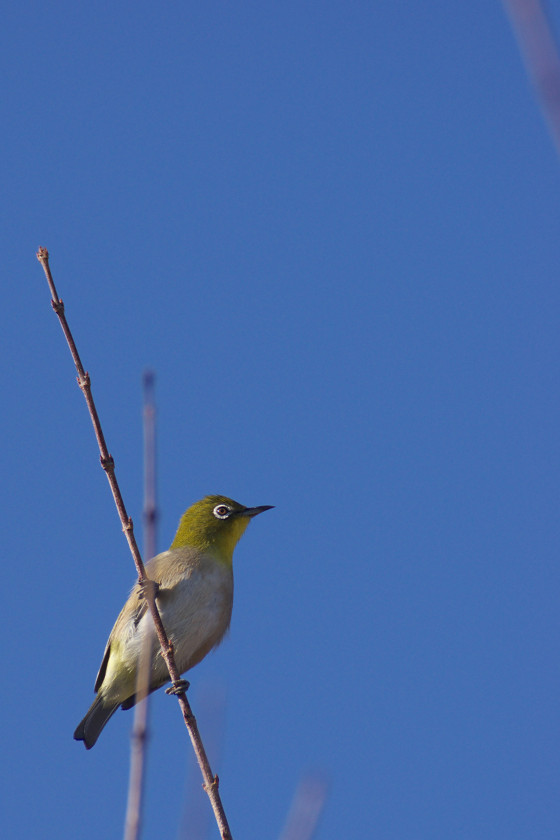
{"x": 193, "y": 584}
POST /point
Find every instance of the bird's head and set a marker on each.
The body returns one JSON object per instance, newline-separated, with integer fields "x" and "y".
{"x": 216, "y": 524}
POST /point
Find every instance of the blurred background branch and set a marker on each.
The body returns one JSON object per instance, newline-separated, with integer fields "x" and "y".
{"x": 533, "y": 29}
{"x": 308, "y": 803}
{"x": 139, "y": 734}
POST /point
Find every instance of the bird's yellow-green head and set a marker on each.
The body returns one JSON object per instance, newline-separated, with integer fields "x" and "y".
{"x": 215, "y": 524}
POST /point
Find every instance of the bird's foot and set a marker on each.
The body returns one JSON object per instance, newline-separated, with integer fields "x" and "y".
{"x": 178, "y": 687}
{"x": 149, "y": 588}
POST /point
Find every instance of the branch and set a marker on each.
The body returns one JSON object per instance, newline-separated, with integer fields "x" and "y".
{"x": 211, "y": 782}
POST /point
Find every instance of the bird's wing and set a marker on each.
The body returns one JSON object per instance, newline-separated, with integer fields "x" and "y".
{"x": 131, "y": 613}
{"x": 103, "y": 667}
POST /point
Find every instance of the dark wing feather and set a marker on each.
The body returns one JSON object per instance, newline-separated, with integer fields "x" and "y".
{"x": 139, "y": 610}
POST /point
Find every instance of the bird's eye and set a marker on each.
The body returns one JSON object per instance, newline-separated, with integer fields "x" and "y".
{"x": 222, "y": 511}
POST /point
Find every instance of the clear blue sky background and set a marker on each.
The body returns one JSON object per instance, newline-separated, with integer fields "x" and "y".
{"x": 333, "y": 230}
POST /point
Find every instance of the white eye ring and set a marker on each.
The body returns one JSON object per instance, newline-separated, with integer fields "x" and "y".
{"x": 221, "y": 511}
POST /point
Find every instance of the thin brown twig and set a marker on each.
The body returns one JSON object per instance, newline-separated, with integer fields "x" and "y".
{"x": 139, "y": 733}
{"x": 196, "y": 817}
{"x": 211, "y": 782}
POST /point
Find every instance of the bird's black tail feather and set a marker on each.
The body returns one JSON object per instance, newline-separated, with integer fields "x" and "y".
{"x": 90, "y": 728}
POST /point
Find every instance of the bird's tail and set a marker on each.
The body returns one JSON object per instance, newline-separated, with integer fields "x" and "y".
{"x": 90, "y": 728}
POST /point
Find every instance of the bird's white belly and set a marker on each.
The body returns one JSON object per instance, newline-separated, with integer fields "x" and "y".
{"x": 196, "y": 615}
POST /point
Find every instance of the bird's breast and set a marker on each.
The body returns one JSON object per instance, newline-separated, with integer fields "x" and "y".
{"x": 196, "y": 612}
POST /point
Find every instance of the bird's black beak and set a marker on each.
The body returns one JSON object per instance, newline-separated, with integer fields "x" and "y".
{"x": 254, "y": 511}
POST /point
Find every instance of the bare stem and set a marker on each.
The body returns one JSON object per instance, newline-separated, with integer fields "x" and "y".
{"x": 211, "y": 781}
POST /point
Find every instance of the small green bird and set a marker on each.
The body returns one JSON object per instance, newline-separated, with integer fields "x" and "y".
{"x": 194, "y": 584}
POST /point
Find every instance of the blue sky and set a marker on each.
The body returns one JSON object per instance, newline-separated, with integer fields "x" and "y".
{"x": 332, "y": 231}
